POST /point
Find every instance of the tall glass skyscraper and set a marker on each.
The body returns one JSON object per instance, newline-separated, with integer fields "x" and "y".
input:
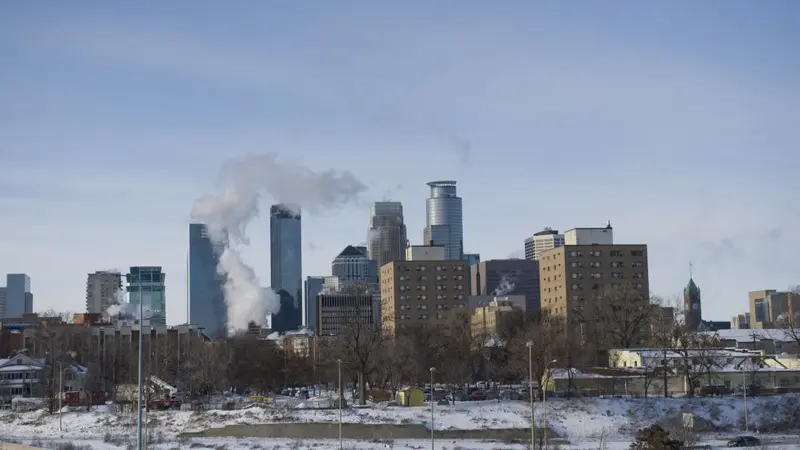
{"x": 206, "y": 296}
{"x": 18, "y": 297}
{"x": 387, "y": 238}
{"x": 286, "y": 265}
{"x": 146, "y": 285}
{"x": 444, "y": 224}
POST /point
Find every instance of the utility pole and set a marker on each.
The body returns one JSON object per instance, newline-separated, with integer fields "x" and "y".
{"x": 433, "y": 445}
{"x": 60, "y": 393}
{"x": 530, "y": 392}
{"x": 139, "y": 441}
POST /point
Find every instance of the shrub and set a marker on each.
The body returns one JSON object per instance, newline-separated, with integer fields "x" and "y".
{"x": 655, "y": 438}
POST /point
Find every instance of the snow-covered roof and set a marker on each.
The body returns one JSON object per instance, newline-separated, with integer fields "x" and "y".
{"x": 19, "y": 368}
{"x": 747, "y": 335}
{"x": 563, "y": 374}
{"x": 300, "y": 333}
{"x": 691, "y": 353}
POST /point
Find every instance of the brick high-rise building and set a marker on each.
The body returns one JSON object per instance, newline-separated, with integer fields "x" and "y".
{"x": 423, "y": 290}
{"x": 572, "y": 276}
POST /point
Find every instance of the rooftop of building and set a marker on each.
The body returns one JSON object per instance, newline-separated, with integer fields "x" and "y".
{"x": 546, "y": 231}
{"x": 351, "y": 251}
{"x": 749, "y": 335}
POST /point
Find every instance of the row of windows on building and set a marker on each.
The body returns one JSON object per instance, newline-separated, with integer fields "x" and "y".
{"x": 598, "y": 275}
{"x": 421, "y": 316}
{"x": 580, "y": 287}
{"x": 425, "y": 297}
{"x": 613, "y": 264}
{"x": 439, "y": 287}
{"x": 424, "y": 307}
{"x": 423, "y": 268}
{"x": 599, "y": 253}
{"x": 32, "y": 376}
{"x": 425, "y": 277}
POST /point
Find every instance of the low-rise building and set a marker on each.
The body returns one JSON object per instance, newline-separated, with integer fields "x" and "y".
{"x": 487, "y": 320}
{"x": 770, "y": 341}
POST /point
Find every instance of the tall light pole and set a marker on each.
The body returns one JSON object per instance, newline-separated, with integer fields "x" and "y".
{"x": 544, "y": 398}
{"x": 530, "y": 393}
{"x": 139, "y": 403}
{"x": 60, "y": 393}
{"x": 341, "y": 400}
{"x": 433, "y": 442}
{"x": 744, "y": 393}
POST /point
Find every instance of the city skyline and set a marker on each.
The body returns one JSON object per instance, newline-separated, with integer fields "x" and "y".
{"x": 657, "y": 135}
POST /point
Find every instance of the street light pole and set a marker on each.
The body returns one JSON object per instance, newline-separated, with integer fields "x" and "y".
{"x": 530, "y": 393}
{"x": 744, "y": 393}
{"x": 60, "y": 393}
{"x": 544, "y": 399}
{"x": 139, "y": 403}
{"x": 341, "y": 399}
{"x": 433, "y": 442}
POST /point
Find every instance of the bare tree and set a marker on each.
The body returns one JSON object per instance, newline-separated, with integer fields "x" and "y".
{"x": 548, "y": 339}
{"x": 358, "y": 344}
{"x": 210, "y": 362}
{"x": 623, "y": 314}
{"x": 460, "y": 355}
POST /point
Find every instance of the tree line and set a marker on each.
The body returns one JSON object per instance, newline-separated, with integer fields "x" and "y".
{"x": 522, "y": 342}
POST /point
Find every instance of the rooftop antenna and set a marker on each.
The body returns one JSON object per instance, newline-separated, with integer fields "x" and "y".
{"x": 690, "y": 269}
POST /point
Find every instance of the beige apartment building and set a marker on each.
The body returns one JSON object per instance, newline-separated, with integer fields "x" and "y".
{"x": 768, "y": 307}
{"x": 485, "y": 320}
{"x": 573, "y": 275}
{"x": 422, "y": 290}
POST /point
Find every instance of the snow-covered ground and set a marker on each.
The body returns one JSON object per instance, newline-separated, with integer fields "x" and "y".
{"x": 310, "y": 444}
{"x": 578, "y": 420}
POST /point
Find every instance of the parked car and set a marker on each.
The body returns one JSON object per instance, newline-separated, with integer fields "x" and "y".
{"x": 478, "y": 395}
{"x": 744, "y": 441}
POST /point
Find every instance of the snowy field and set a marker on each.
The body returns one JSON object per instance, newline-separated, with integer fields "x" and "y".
{"x": 581, "y": 421}
{"x": 305, "y": 444}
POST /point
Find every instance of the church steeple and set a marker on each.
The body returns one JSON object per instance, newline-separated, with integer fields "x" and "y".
{"x": 692, "y": 311}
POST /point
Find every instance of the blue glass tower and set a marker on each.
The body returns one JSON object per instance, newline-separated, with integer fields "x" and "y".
{"x": 444, "y": 219}
{"x": 286, "y": 265}
{"x": 206, "y": 299}
{"x": 146, "y": 285}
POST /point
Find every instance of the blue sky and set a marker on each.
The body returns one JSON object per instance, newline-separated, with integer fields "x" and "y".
{"x": 678, "y": 122}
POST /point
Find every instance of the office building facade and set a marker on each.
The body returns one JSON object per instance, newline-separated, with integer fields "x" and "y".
{"x": 18, "y": 296}
{"x": 312, "y": 287}
{"x": 590, "y": 236}
{"x": 103, "y": 289}
{"x": 286, "y": 265}
{"x": 146, "y": 284}
{"x": 444, "y": 222}
{"x": 541, "y": 242}
{"x": 572, "y": 276}
{"x": 501, "y": 277}
{"x": 387, "y": 237}
{"x": 770, "y": 308}
{"x": 338, "y": 312}
{"x": 207, "y": 307}
{"x": 353, "y": 266}
{"x": 422, "y": 293}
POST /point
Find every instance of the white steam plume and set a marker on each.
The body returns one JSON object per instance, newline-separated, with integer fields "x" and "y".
{"x": 506, "y": 285}
{"x": 236, "y": 201}
{"x": 373, "y": 234}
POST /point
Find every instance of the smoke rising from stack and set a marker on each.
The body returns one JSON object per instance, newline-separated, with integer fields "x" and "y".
{"x": 506, "y": 285}
{"x": 236, "y": 201}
